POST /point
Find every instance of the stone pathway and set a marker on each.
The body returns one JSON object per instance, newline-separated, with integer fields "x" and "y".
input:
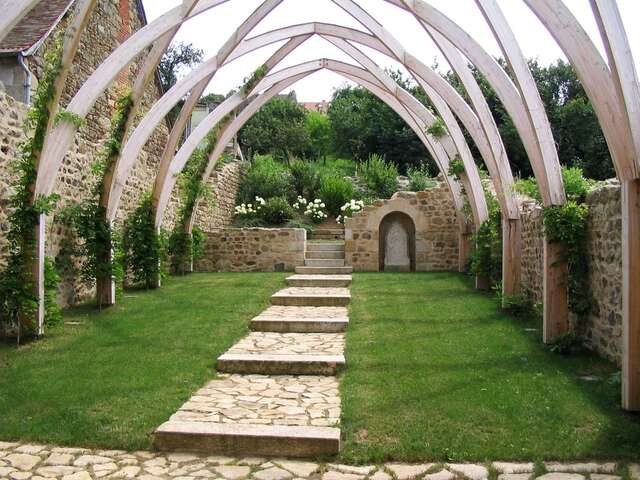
{"x": 279, "y": 396}
{"x": 40, "y": 462}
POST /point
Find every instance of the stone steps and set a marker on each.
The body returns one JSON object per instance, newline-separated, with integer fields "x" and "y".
{"x": 328, "y": 234}
{"x": 324, "y": 262}
{"x": 319, "y": 280}
{"x": 270, "y": 364}
{"x": 327, "y": 246}
{"x": 325, "y": 254}
{"x": 312, "y": 296}
{"x": 249, "y": 440}
{"x": 301, "y": 320}
{"x": 307, "y": 270}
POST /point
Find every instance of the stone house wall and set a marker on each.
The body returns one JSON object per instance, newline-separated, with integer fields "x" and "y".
{"x": 111, "y": 23}
{"x": 224, "y": 183}
{"x": 436, "y": 227}
{"x": 253, "y": 250}
{"x": 601, "y": 329}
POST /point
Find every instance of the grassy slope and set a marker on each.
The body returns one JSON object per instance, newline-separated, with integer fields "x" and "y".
{"x": 112, "y": 380}
{"x": 435, "y": 372}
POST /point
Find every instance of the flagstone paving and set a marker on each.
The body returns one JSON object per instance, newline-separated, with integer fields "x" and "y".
{"x": 265, "y": 400}
{"x": 19, "y": 461}
{"x": 270, "y": 343}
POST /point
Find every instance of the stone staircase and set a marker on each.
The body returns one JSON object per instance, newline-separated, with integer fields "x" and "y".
{"x": 277, "y": 394}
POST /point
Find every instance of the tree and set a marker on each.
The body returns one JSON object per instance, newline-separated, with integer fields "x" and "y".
{"x": 319, "y": 130}
{"x": 363, "y": 125}
{"x": 177, "y": 58}
{"x": 278, "y": 128}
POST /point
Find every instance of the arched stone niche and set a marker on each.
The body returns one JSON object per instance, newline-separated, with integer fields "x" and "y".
{"x": 397, "y": 243}
{"x": 435, "y": 222}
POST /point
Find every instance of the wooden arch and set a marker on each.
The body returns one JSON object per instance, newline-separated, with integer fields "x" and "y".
{"x": 356, "y": 74}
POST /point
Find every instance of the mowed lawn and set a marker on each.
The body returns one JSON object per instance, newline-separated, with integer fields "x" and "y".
{"x": 435, "y": 373}
{"x": 111, "y": 380}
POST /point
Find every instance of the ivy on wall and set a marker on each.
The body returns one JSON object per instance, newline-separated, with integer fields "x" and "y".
{"x": 486, "y": 250}
{"x": 183, "y": 246}
{"x": 90, "y": 217}
{"x": 18, "y": 294}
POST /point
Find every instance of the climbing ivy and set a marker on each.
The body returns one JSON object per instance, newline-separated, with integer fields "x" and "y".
{"x": 142, "y": 246}
{"x": 184, "y": 247}
{"x": 70, "y": 117}
{"x": 90, "y": 217}
{"x": 254, "y": 79}
{"x": 438, "y": 128}
{"x": 567, "y": 225}
{"x": 486, "y": 250}
{"x": 18, "y": 295}
{"x": 456, "y": 167}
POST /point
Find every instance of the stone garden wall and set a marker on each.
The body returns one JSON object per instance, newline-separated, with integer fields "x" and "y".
{"x": 253, "y": 250}
{"x": 111, "y": 23}
{"x": 602, "y": 327}
{"x": 434, "y": 216}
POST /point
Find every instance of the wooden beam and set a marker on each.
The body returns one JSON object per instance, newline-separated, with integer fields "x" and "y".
{"x": 511, "y": 255}
{"x": 631, "y": 295}
{"x": 555, "y": 298}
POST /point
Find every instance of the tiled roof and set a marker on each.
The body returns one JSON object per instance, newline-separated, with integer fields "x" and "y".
{"x": 34, "y": 26}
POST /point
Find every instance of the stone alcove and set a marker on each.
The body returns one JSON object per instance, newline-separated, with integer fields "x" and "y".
{"x": 397, "y": 238}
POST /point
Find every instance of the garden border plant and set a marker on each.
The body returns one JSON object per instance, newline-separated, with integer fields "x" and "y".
{"x": 18, "y": 296}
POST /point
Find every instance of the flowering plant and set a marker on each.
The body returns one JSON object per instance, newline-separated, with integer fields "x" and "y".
{"x": 348, "y": 209}
{"x": 250, "y": 209}
{"x": 301, "y": 204}
{"x": 315, "y": 211}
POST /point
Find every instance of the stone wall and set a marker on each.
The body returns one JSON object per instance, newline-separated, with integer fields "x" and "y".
{"x": 111, "y": 23}
{"x": 253, "y": 250}
{"x": 224, "y": 183}
{"x": 601, "y": 329}
{"x": 436, "y": 230}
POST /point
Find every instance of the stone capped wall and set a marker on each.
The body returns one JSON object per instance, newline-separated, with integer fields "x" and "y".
{"x": 253, "y": 250}
{"x": 601, "y": 329}
{"x": 434, "y": 216}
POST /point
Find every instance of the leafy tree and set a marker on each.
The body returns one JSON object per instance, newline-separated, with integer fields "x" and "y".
{"x": 363, "y": 125}
{"x": 177, "y": 58}
{"x": 319, "y": 130}
{"x": 278, "y": 128}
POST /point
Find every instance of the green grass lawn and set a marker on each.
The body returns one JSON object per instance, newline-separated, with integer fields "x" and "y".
{"x": 111, "y": 380}
{"x": 436, "y": 372}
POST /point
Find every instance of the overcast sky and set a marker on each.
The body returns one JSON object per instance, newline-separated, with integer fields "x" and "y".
{"x": 211, "y": 29}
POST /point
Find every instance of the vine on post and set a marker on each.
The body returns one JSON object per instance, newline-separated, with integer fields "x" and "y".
{"x": 183, "y": 246}
{"x": 90, "y": 217}
{"x": 456, "y": 168}
{"x": 18, "y": 293}
{"x": 254, "y": 79}
{"x": 486, "y": 250}
{"x": 438, "y": 128}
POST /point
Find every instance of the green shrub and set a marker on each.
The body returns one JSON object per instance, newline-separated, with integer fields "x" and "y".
{"x": 266, "y": 178}
{"x": 141, "y": 245}
{"x": 438, "y": 128}
{"x": 379, "y": 177}
{"x": 336, "y": 166}
{"x": 576, "y": 186}
{"x": 306, "y": 180}
{"x": 52, "y": 311}
{"x": 456, "y": 167}
{"x": 276, "y": 211}
{"x": 248, "y": 222}
{"x": 566, "y": 344}
{"x": 517, "y": 304}
{"x": 420, "y": 179}
{"x": 335, "y": 191}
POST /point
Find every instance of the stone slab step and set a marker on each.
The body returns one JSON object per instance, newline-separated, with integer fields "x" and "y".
{"x": 319, "y": 280}
{"x": 287, "y": 364}
{"x": 312, "y": 297}
{"x": 306, "y": 270}
{"x": 337, "y": 254}
{"x": 301, "y": 320}
{"x": 325, "y": 247}
{"x": 248, "y": 440}
{"x": 336, "y": 236}
{"x": 317, "y": 262}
